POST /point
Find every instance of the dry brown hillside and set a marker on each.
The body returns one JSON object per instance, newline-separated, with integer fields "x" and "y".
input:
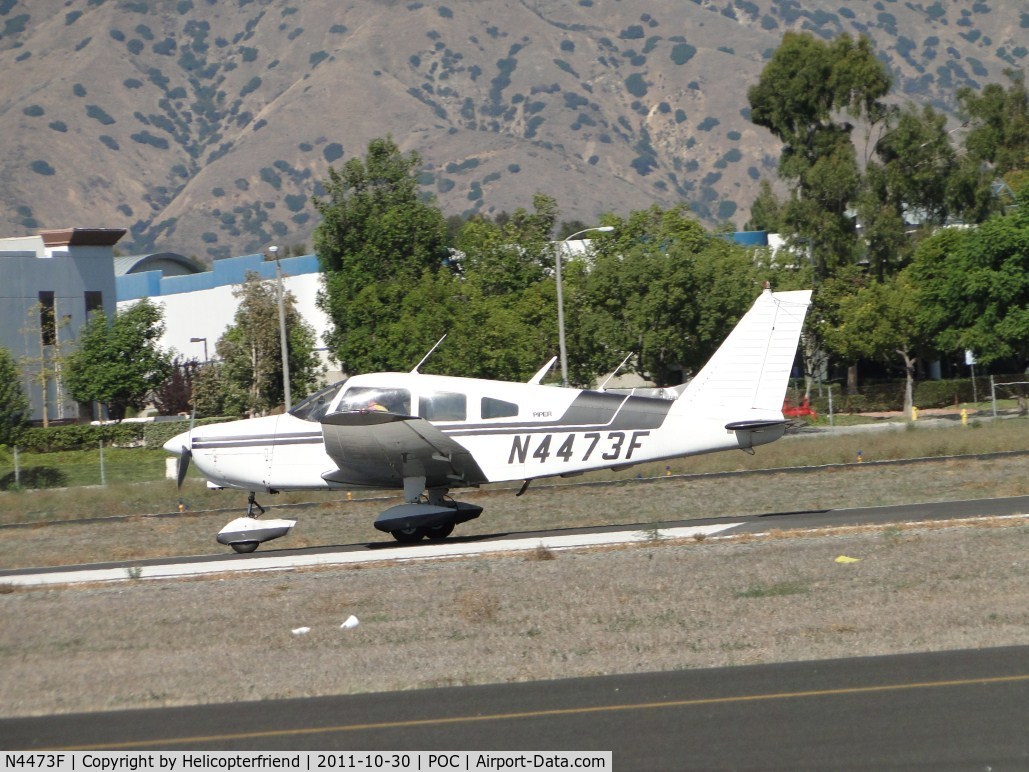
{"x": 204, "y": 127}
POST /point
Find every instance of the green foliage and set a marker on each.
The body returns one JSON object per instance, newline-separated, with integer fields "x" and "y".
{"x": 146, "y": 138}
{"x": 14, "y": 405}
{"x": 250, "y": 375}
{"x": 974, "y": 287}
{"x": 662, "y": 287}
{"x": 156, "y": 433}
{"x": 119, "y": 363}
{"x": 802, "y": 92}
{"x": 636, "y": 85}
{"x": 80, "y": 437}
{"x": 376, "y": 232}
{"x": 682, "y": 53}
{"x": 883, "y": 320}
{"x": 997, "y": 142}
{"x": 913, "y": 178}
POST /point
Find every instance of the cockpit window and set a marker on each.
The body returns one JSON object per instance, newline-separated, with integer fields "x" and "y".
{"x": 443, "y": 406}
{"x": 313, "y": 408}
{"x": 371, "y": 398}
{"x": 498, "y": 408}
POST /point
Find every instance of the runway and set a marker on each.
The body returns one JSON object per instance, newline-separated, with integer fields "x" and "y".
{"x": 945, "y": 710}
{"x": 268, "y": 559}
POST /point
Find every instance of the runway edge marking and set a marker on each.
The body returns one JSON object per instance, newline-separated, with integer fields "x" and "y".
{"x": 398, "y": 554}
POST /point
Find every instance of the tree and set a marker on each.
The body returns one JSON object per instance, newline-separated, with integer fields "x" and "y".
{"x": 997, "y": 147}
{"x": 882, "y": 321}
{"x": 974, "y": 287}
{"x": 801, "y": 96}
{"x": 251, "y": 350}
{"x": 14, "y": 405}
{"x": 909, "y": 182}
{"x": 377, "y": 233}
{"x": 175, "y": 393}
{"x": 766, "y": 211}
{"x": 999, "y": 118}
{"x": 659, "y": 286}
{"x": 118, "y": 363}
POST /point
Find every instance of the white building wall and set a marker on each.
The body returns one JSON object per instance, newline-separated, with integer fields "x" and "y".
{"x": 208, "y": 313}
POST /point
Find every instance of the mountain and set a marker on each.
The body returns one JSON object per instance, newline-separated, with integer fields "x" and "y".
{"x": 205, "y": 127}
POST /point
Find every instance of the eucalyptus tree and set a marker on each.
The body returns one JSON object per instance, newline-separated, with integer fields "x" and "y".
{"x": 805, "y": 96}
{"x": 997, "y": 147}
{"x": 907, "y": 183}
{"x": 378, "y": 234}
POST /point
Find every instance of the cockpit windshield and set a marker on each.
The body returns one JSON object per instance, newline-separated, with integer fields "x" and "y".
{"x": 313, "y": 408}
{"x": 372, "y": 398}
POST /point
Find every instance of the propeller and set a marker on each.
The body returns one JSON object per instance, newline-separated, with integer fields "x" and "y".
{"x": 183, "y": 465}
{"x": 187, "y": 452}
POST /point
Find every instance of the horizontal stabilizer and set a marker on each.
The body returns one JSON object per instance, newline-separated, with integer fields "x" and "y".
{"x": 757, "y": 432}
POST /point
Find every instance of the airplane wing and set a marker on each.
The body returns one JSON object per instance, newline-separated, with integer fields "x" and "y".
{"x": 378, "y": 448}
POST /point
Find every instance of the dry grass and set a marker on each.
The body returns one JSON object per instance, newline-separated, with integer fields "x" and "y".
{"x": 656, "y": 606}
{"x": 631, "y": 502}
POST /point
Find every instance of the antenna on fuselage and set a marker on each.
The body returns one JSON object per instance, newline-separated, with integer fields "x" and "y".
{"x": 538, "y": 377}
{"x": 612, "y": 375}
{"x": 415, "y": 370}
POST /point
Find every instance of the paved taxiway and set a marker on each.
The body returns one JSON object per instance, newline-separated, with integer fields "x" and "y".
{"x": 268, "y": 559}
{"x": 944, "y": 710}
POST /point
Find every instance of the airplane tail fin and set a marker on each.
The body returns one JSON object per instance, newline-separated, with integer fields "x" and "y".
{"x": 746, "y": 379}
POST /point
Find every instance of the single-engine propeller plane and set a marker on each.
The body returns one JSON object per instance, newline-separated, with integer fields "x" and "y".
{"x": 428, "y": 434}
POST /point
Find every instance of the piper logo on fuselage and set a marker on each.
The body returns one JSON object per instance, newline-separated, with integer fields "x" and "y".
{"x": 542, "y": 414}
{"x": 612, "y": 446}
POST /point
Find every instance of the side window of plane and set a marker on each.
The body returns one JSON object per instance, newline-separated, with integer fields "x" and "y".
{"x": 498, "y": 408}
{"x": 313, "y": 408}
{"x": 443, "y": 406}
{"x": 371, "y": 398}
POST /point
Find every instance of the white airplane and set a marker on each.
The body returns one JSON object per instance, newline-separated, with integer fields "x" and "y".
{"x": 427, "y": 434}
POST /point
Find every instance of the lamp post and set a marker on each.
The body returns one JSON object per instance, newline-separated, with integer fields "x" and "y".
{"x": 560, "y": 300}
{"x": 282, "y": 328}
{"x": 201, "y": 340}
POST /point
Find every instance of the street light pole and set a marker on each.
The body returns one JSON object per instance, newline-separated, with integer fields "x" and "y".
{"x": 282, "y": 328}
{"x": 201, "y": 340}
{"x": 560, "y": 299}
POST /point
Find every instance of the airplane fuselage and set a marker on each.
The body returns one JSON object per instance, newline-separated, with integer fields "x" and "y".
{"x": 513, "y": 431}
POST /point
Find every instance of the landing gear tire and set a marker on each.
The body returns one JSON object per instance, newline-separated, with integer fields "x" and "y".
{"x": 438, "y": 532}
{"x": 244, "y": 546}
{"x": 407, "y": 535}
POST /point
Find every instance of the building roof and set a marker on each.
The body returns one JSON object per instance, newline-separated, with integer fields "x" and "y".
{"x": 82, "y": 237}
{"x": 168, "y": 263}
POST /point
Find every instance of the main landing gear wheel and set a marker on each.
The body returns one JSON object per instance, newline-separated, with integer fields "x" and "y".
{"x": 407, "y": 535}
{"x": 244, "y": 546}
{"x": 437, "y": 532}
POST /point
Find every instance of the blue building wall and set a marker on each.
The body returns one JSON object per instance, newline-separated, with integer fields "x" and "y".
{"x": 231, "y": 270}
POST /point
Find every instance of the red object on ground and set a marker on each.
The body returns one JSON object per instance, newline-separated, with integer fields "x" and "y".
{"x": 797, "y": 411}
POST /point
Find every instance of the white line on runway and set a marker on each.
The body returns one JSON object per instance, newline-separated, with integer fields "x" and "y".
{"x": 407, "y": 553}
